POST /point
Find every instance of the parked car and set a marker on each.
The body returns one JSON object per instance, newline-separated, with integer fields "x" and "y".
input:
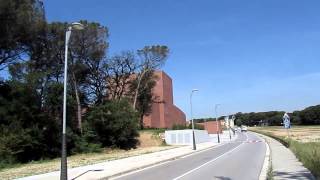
{"x": 244, "y": 128}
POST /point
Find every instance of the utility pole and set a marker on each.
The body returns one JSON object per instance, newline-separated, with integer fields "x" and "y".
{"x": 193, "y": 136}
{"x": 218, "y": 127}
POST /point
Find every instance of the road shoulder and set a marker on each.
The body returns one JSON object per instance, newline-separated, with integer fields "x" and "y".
{"x": 285, "y": 165}
{"x": 267, "y": 160}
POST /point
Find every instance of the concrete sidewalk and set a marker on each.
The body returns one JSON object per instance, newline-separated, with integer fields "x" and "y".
{"x": 125, "y": 165}
{"x": 285, "y": 165}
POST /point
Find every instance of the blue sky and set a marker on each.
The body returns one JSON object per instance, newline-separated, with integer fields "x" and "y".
{"x": 246, "y": 55}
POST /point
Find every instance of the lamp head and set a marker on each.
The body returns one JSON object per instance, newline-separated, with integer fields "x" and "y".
{"x": 194, "y": 90}
{"x": 77, "y": 26}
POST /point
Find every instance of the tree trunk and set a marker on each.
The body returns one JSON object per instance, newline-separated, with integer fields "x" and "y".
{"x": 141, "y": 121}
{"x": 79, "y": 109}
{"x": 137, "y": 89}
{"x": 136, "y": 94}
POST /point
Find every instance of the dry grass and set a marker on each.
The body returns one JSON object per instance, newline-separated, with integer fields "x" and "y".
{"x": 298, "y": 133}
{"x": 149, "y": 139}
{"x": 150, "y": 142}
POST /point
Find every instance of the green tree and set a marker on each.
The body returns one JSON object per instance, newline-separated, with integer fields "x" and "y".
{"x": 26, "y": 132}
{"x": 116, "y": 124}
{"x": 310, "y": 115}
{"x": 145, "y": 97}
{"x": 21, "y": 23}
{"x": 87, "y": 52}
{"x": 151, "y": 58}
{"x": 295, "y": 117}
{"x": 120, "y": 74}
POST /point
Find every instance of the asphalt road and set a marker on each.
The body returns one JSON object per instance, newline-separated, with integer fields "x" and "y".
{"x": 241, "y": 159}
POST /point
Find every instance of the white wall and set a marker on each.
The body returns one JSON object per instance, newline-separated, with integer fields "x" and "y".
{"x": 184, "y": 137}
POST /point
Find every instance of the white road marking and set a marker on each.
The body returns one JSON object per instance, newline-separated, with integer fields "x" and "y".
{"x": 213, "y": 147}
{"x": 159, "y": 164}
{"x": 210, "y": 161}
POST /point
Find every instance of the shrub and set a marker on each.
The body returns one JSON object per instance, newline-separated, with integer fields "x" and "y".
{"x": 196, "y": 126}
{"x": 115, "y": 123}
{"x": 179, "y": 127}
{"x": 87, "y": 142}
{"x": 26, "y": 133}
{"x": 83, "y": 146}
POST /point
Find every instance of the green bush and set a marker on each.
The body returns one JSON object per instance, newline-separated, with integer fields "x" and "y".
{"x": 115, "y": 123}
{"x": 196, "y": 126}
{"x": 179, "y": 127}
{"x": 87, "y": 142}
{"x": 83, "y": 146}
{"x": 26, "y": 133}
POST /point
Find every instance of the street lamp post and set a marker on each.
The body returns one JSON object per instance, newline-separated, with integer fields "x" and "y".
{"x": 215, "y": 108}
{"x": 193, "y": 137}
{"x": 227, "y": 121}
{"x": 229, "y": 128}
{"x": 233, "y": 118}
{"x": 64, "y": 171}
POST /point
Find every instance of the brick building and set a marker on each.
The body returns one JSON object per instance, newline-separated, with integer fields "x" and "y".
{"x": 164, "y": 113}
{"x": 211, "y": 126}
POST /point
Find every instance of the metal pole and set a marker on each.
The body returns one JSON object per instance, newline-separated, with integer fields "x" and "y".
{"x": 229, "y": 128}
{"x": 216, "y": 106}
{"x": 64, "y": 170}
{"x": 233, "y": 118}
{"x": 193, "y": 137}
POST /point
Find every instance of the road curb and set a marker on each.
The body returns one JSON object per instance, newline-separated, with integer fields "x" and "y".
{"x": 267, "y": 159}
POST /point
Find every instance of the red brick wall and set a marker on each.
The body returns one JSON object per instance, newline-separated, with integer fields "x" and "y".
{"x": 153, "y": 120}
{"x": 211, "y": 126}
{"x": 164, "y": 113}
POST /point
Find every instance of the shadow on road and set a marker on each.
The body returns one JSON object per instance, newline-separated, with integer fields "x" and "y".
{"x": 222, "y": 178}
{"x": 86, "y": 172}
{"x": 293, "y": 175}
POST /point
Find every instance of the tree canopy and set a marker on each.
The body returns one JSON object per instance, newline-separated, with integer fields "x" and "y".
{"x": 101, "y": 89}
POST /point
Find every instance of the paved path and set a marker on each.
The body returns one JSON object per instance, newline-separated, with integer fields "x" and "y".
{"x": 242, "y": 159}
{"x": 285, "y": 165}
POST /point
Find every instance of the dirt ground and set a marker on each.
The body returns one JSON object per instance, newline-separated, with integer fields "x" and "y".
{"x": 149, "y": 139}
{"x": 299, "y": 133}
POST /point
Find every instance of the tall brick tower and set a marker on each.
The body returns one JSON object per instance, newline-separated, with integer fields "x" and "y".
{"x": 164, "y": 113}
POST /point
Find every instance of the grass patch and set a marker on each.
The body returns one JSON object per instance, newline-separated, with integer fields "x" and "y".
{"x": 154, "y": 130}
{"x": 307, "y": 152}
{"x": 270, "y": 173}
{"x": 154, "y": 135}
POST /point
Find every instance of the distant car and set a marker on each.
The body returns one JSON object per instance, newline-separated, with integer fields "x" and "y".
{"x": 234, "y": 129}
{"x": 244, "y": 128}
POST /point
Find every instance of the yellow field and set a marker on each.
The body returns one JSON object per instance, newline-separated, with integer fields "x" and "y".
{"x": 299, "y": 133}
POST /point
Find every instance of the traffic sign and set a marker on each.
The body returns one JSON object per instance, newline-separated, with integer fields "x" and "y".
{"x": 286, "y": 121}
